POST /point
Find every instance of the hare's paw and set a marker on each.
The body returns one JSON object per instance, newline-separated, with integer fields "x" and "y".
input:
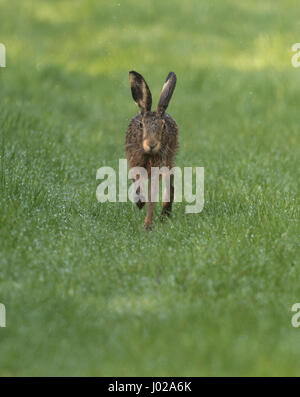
{"x": 165, "y": 213}
{"x": 140, "y": 204}
{"x": 147, "y": 227}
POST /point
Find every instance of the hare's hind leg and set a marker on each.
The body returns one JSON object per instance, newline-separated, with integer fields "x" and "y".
{"x": 168, "y": 198}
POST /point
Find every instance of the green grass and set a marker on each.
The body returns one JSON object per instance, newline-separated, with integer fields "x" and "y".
{"x": 86, "y": 290}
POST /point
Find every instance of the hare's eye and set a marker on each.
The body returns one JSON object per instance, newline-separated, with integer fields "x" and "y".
{"x": 140, "y": 124}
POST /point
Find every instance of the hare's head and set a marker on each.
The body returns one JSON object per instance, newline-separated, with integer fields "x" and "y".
{"x": 153, "y": 123}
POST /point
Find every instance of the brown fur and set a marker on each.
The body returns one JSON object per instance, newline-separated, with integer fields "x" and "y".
{"x": 152, "y": 129}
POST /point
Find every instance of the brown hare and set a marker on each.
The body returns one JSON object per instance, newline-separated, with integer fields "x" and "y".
{"x": 152, "y": 138}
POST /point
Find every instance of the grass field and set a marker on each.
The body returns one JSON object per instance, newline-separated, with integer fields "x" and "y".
{"x": 86, "y": 290}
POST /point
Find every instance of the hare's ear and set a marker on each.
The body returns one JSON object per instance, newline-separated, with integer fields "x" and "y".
{"x": 140, "y": 91}
{"x": 166, "y": 93}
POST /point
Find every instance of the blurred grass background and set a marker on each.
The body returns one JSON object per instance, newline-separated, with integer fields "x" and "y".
{"x": 87, "y": 292}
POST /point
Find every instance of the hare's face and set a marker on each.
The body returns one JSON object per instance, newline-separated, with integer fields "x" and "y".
{"x": 153, "y": 126}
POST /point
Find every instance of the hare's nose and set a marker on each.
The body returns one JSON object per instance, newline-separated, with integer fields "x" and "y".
{"x": 152, "y": 146}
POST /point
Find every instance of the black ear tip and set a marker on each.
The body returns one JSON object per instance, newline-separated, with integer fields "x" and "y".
{"x": 135, "y": 75}
{"x": 171, "y": 75}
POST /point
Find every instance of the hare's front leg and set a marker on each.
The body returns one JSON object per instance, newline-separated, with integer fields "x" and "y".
{"x": 140, "y": 193}
{"x": 168, "y": 196}
{"x": 148, "y": 219}
{"x": 152, "y": 193}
